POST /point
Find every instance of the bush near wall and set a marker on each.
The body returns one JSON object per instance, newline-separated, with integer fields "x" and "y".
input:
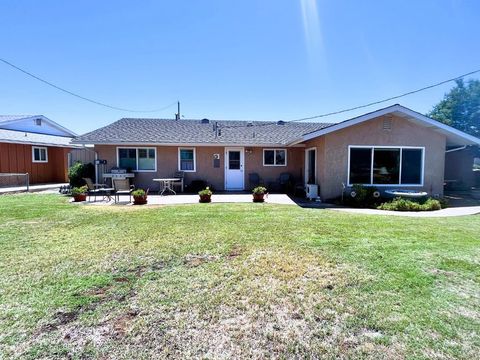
{"x": 399, "y": 204}
{"x": 78, "y": 171}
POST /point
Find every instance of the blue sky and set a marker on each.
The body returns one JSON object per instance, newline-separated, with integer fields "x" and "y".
{"x": 256, "y": 60}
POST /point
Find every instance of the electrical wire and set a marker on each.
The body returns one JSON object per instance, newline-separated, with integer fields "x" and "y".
{"x": 83, "y": 97}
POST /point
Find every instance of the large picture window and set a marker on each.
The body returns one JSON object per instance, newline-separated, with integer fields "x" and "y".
{"x": 371, "y": 165}
{"x": 274, "y": 157}
{"x": 186, "y": 159}
{"x": 137, "y": 159}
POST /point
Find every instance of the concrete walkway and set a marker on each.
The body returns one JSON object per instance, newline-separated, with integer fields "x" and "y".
{"x": 448, "y": 212}
{"x": 32, "y": 188}
{"x": 286, "y": 200}
{"x": 193, "y": 199}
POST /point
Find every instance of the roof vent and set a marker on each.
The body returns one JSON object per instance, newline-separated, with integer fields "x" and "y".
{"x": 387, "y": 123}
{"x": 38, "y": 122}
{"x": 205, "y": 121}
{"x": 250, "y": 123}
{"x": 280, "y": 122}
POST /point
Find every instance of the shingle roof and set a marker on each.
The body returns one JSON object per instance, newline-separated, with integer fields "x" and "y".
{"x": 22, "y": 137}
{"x": 167, "y": 131}
{"x": 5, "y": 118}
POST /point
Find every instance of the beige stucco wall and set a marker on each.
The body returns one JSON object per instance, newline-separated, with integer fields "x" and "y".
{"x": 167, "y": 164}
{"x": 332, "y": 152}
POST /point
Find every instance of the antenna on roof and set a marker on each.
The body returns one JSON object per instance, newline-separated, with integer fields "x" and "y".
{"x": 177, "y": 115}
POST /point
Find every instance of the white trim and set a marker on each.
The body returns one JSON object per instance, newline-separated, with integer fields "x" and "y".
{"x": 399, "y": 109}
{"x": 72, "y": 146}
{"x": 242, "y": 166}
{"x": 40, "y": 148}
{"x": 274, "y": 156}
{"x": 137, "y": 144}
{"x": 44, "y": 118}
{"x": 394, "y": 147}
{"x": 306, "y": 164}
{"x": 136, "y": 157}
{"x": 194, "y": 159}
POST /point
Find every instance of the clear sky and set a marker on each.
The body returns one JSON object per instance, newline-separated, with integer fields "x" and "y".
{"x": 248, "y": 59}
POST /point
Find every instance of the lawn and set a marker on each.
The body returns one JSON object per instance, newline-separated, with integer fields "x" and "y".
{"x": 234, "y": 281}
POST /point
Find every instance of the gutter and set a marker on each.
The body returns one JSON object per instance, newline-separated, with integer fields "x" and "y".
{"x": 456, "y": 149}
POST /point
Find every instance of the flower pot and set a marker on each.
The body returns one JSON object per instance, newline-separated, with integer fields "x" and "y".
{"x": 79, "y": 197}
{"x": 258, "y": 197}
{"x": 205, "y": 198}
{"x": 139, "y": 199}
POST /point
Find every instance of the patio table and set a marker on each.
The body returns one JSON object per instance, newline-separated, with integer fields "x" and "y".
{"x": 166, "y": 184}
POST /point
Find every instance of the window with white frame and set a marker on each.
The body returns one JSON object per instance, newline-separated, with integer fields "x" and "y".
{"x": 39, "y": 154}
{"x": 382, "y": 165}
{"x": 274, "y": 157}
{"x": 137, "y": 159}
{"x": 186, "y": 159}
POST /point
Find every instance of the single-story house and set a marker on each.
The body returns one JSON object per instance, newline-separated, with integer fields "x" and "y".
{"x": 393, "y": 147}
{"x": 35, "y": 145}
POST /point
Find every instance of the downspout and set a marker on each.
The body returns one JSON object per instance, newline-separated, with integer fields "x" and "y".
{"x": 96, "y": 168}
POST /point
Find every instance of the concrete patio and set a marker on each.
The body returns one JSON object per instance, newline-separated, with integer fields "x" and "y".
{"x": 282, "y": 199}
{"x": 32, "y": 188}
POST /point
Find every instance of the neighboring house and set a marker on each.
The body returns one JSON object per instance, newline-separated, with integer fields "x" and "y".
{"x": 36, "y": 145}
{"x": 393, "y": 147}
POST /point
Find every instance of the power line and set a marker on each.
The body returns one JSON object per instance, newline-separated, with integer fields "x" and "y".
{"x": 387, "y": 99}
{"x": 365, "y": 105}
{"x": 80, "y": 96}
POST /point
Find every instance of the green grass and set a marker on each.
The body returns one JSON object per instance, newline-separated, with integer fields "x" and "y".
{"x": 234, "y": 281}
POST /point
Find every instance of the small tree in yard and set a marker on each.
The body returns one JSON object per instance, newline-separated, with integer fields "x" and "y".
{"x": 460, "y": 107}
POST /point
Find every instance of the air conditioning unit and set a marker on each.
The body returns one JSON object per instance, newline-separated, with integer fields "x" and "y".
{"x": 311, "y": 191}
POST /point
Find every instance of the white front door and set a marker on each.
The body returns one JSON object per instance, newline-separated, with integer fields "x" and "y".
{"x": 234, "y": 169}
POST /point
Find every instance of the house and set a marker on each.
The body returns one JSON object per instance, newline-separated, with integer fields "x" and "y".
{"x": 35, "y": 145}
{"x": 393, "y": 147}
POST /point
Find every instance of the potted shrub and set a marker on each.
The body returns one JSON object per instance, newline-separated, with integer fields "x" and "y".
{"x": 205, "y": 195}
{"x": 139, "y": 197}
{"x": 79, "y": 193}
{"x": 259, "y": 194}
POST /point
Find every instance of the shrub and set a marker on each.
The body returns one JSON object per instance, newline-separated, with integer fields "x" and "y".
{"x": 79, "y": 190}
{"x": 401, "y": 204}
{"x": 138, "y": 192}
{"x": 205, "y": 191}
{"x": 362, "y": 196}
{"x": 259, "y": 190}
{"x": 78, "y": 171}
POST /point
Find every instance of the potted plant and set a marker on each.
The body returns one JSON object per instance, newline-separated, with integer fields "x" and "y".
{"x": 259, "y": 194}
{"x": 79, "y": 193}
{"x": 205, "y": 195}
{"x": 139, "y": 197}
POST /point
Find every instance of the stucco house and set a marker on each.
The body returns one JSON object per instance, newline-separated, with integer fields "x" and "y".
{"x": 393, "y": 147}
{"x": 36, "y": 145}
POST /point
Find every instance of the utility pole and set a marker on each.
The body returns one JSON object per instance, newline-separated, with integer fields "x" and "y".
{"x": 177, "y": 115}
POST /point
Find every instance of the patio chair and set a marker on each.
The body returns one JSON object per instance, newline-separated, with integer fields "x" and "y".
{"x": 179, "y": 184}
{"x": 122, "y": 187}
{"x": 286, "y": 182}
{"x": 254, "y": 180}
{"x": 94, "y": 189}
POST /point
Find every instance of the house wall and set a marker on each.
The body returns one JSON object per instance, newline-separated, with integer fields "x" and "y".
{"x": 167, "y": 164}
{"x": 332, "y": 152}
{"x": 459, "y": 168}
{"x": 17, "y": 158}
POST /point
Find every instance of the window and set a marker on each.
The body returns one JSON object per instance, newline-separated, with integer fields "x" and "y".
{"x": 137, "y": 159}
{"x": 39, "y": 154}
{"x": 186, "y": 160}
{"x": 370, "y": 165}
{"x": 274, "y": 157}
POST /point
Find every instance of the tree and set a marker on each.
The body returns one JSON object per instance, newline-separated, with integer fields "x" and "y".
{"x": 460, "y": 107}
